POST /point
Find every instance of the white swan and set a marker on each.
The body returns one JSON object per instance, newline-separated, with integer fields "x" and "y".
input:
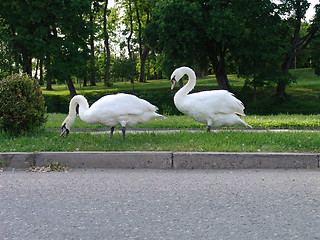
{"x": 216, "y": 108}
{"x": 110, "y": 110}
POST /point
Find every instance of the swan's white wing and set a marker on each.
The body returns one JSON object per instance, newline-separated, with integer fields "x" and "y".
{"x": 121, "y": 104}
{"x": 216, "y": 101}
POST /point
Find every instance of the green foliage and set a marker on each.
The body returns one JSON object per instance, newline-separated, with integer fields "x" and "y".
{"x": 252, "y": 52}
{"x": 22, "y": 106}
{"x": 179, "y": 42}
{"x": 123, "y": 68}
{"x": 54, "y": 31}
{"x": 56, "y": 103}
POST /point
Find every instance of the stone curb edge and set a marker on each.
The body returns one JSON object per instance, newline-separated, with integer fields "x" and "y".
{"x": 162, "y": 160}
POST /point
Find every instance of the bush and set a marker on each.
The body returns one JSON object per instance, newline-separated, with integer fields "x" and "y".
{"x": 22, "y": 106}
{"x": 57, "y": 103}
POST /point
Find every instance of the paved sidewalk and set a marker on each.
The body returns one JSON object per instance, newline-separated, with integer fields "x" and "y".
{"x": 162, "y": 160}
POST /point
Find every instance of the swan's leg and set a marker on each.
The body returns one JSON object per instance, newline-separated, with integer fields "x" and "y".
{"x": 124, "y": 133}
{"x": 209, "y": 123}
{"x": 111, "y": 132}
{"x": 244, "y": 123}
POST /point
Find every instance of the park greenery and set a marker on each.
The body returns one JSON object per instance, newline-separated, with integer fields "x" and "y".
{"x": 181, "y": 141}
{"x": 92, "y": 41}
{"x": 22, "y": 106}
{"x": 302, "y": 98}
{"x": 228, "y": 139}
{"x": 266, "y": 53}
{"x": 279, "y": 132}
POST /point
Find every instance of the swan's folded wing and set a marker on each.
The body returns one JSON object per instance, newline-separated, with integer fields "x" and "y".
{"x": 122, "y": 104}
{"x": 218, "y": 101}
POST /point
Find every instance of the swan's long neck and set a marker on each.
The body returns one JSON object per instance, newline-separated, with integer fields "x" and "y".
{"x": 83, "y": 106}
{"x": 190, "y": 84}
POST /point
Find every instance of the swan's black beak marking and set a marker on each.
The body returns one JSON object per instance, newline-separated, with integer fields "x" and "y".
{"x": 64, "y": 129}
{"x": 173, "y": 82}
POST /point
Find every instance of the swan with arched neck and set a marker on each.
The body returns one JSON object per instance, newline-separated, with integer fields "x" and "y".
{"x": 215, "y": 108}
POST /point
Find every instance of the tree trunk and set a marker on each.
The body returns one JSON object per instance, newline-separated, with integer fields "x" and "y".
{"x": 27, "y": 64}
{"x": 217, "y": 57}
{"x": 41, "y": 82}
{"x": 143, "y": 50}
{"x": 85, "y": 79}
{"x": 48, "y": 83}
{"x": 281, "y": 85}
{"x": 222, "y": 80}
{"x": 49, "y": 74}
{"x": 129, "y": 40}
{"x": 92, "y": 60}
{"x": 281, "y": 89}
{"x": 71, "y": 88}
{"x": 143, "y": 59}
{"x": 106, "y": 46}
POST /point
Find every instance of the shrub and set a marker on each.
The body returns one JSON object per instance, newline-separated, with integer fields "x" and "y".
{"x": 57, "y": 103}
{"x": 22, "y": 106}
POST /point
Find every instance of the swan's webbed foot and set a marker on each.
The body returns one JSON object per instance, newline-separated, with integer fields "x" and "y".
{"x": 208, "y": 128}
{"x": 111, "y": 132}
{"x": 123, "y": 133}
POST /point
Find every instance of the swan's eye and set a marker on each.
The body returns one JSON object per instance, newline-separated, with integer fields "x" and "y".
{"x": 173, "y": 79}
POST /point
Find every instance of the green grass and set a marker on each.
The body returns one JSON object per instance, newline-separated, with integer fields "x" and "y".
{"x": 199, "y": 140}
{"x": 237, "y": 141}
{"x": 269, "y": 121}
{"x": 117, "y": 87}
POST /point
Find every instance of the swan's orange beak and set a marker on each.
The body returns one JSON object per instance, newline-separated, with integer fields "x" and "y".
{"x": 173, "y": 83}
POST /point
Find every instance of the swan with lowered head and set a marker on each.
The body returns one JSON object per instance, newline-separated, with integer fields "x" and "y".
{"x": 110, "y": 110}
{"x": 216, "y": 108}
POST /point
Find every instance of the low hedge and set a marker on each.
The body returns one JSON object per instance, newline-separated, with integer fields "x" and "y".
{"x": 265, "y": 103}
{"x": 162, "y": 98}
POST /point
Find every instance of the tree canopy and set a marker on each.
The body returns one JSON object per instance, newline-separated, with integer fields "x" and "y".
{"x": 80, "y": 39}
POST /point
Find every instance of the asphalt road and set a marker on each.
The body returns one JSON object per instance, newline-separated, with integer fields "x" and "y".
{"x": 160, "y": 204}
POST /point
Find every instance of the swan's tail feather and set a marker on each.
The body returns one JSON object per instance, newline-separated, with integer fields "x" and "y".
{"x": 240, "y": 113}
{"x": 159, "y": 115}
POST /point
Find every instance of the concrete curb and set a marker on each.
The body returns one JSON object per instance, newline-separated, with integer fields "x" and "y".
{"x": 161, "y": 160}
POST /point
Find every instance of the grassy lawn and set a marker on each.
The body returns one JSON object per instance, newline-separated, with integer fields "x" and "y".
{"x": 238, "y": 141}
{"x": 307, "y": 89}
{"x": 183, "y": 122}
{"x": 199, "y": 140}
